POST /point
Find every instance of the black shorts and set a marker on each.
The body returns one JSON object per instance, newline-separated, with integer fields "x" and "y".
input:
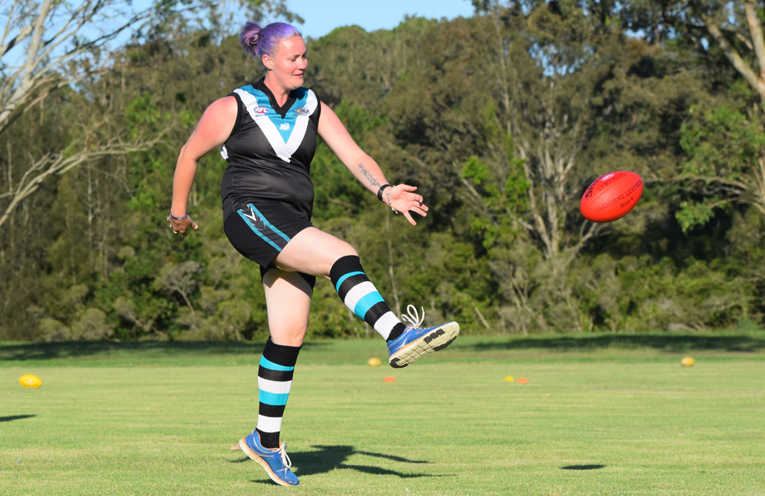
{"x": 260, "y": 232}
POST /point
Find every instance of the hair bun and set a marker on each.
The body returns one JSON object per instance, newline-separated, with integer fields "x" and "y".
{"x": 249, "y": 37}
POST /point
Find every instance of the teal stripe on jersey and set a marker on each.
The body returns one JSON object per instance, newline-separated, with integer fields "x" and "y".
{"x": 268, "y": 224}
{"x": 367, "y": 302}
{"x": 342, "y": 279}
{"x": 256, "y": 231}
{"x": 273, "y": 399}
{"x": 265, "y": 362}
{"x": 284, "y": 125}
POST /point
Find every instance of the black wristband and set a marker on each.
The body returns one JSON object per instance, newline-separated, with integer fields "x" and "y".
{"x": 380, "y": 191}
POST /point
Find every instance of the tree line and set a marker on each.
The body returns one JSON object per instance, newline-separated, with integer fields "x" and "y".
{"x": 501, "y": 120}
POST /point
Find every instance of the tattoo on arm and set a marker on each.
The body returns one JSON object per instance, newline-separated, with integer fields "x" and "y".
{"x": 368, "y": 175}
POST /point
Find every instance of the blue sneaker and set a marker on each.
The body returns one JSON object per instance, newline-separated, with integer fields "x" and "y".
{"x": 274, "y": 460}
{"x": 417, "y": 341}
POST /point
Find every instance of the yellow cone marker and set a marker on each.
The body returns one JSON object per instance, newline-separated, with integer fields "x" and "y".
{"x": 374, "y": 362}
{"x": 509, "y": 378}
{"x": 687, "y": 362}
{"x": 30, "y": 381}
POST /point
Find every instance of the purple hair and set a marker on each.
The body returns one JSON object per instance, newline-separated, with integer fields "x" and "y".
{"x": 258, "y": 41}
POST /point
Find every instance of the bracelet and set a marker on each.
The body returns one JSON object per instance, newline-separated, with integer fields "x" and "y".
{"x": 380, "y": 191}
{"x": 390, "y": 204}
{"x": 178, "y": 218}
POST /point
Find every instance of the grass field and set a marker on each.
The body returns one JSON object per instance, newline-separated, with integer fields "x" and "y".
{"x": 605, "y": 414}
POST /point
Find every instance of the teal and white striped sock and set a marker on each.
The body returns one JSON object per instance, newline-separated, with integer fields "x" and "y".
{"x": 274, "y": 383}
{"x": 360, "y": 295}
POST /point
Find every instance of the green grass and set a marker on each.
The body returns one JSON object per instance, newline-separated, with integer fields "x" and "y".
{"x": 601, "y": 415}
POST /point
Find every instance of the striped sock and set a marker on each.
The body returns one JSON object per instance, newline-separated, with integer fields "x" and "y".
{"x": 361, "y": 296}
{"x": 274, "y": 382}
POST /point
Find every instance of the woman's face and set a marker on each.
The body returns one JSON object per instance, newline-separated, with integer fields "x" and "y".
{"x": 288, "y": 63}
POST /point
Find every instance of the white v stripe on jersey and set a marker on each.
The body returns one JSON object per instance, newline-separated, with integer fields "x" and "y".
{"x": 283, "y": 150}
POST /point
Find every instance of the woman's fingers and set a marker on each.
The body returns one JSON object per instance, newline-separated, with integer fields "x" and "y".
{"x": 409, "y": 218}
{"x": 412, "y": 207}
{"x": 422, "y": 211}
{"x": 404, "y": 194}
{"x": 180, "y": 226}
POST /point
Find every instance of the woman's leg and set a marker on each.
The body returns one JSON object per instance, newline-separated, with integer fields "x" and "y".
{"x": 315, "y": 252}
{"x": 288, "y": 299}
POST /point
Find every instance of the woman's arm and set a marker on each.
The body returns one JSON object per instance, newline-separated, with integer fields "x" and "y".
{"x": 213, "y": 130}
{"x": 402, "y": 197}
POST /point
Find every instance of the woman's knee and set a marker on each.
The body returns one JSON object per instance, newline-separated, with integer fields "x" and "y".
{"x": 294, "y": 337}
{"x": 347, "y": 250}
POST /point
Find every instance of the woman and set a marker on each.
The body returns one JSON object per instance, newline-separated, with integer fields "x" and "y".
{"x": 267, "y": 133}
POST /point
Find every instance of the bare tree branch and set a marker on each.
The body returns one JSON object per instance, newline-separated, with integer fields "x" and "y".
{"x": 756, "y": 82}
{"x": 78, "y": 152}
{"x": 41, "y": 67}
{"x": 755, "y": 29}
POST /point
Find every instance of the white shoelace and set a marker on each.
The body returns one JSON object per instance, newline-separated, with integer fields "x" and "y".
{"x": 412, "y": 316}
{"x": 285, "y": 459}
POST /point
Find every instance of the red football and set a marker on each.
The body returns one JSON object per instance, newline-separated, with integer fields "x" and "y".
{"x": 611, "y": 196}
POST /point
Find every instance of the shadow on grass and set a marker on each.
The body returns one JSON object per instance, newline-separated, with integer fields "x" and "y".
{"x": 73, "y": 349}
{"x": 665, "y": 342}
{"x": 15, "y": 417}
{"x": 328, "y": 458}
{"x": 582, "y": 467}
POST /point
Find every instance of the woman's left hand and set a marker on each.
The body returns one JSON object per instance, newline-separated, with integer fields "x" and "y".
{"x": 404, "y": 199}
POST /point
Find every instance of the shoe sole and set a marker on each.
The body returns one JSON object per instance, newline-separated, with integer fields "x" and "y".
{"x": 246, "y": 449}
{"x": 435, "y": 340}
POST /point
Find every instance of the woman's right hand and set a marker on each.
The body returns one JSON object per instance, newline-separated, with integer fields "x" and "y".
{"x": 213, "y": 130}
{"x": 181, "y": 226}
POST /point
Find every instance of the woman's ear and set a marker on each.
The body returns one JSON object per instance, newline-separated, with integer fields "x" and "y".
{"x": 268, "y": 62}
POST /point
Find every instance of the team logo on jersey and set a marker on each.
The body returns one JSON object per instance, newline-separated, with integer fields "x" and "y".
{"x": 302, "y": 111}
{"x": 257, "y": 222}
{"x": 284, "y": 127}
{"x": 261, "y": 110}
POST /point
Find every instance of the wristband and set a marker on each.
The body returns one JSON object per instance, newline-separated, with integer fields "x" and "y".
{"x": 178, "y": 218}
{"x": 390, "y": 204}
{"x": 380, "y": 191}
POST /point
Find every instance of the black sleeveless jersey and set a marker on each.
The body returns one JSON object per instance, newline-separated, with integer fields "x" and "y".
{"x": 270, "y": 150}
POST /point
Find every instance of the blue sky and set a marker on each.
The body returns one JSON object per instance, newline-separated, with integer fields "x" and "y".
{"x": 321, "y": 17}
